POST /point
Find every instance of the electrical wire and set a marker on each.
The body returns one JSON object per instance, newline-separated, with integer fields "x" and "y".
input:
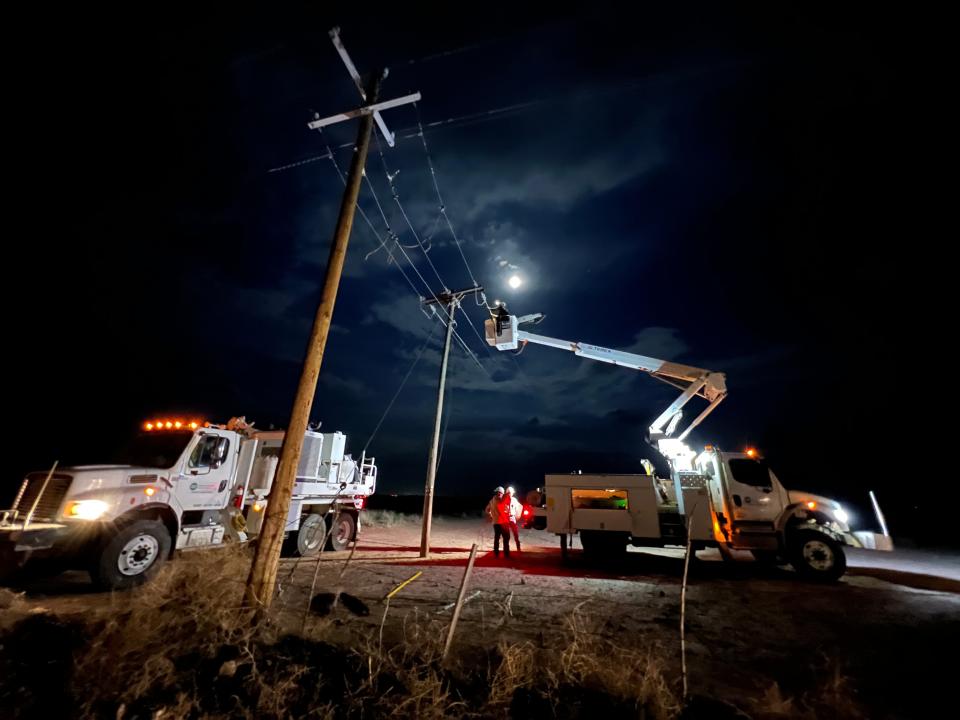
{"x": 411, "y": 132}
{"x": 444, "y": 318}
{"x": 396, "y": 198}
{"x": 403, "y": 383}
{"x": 436, "y": 187}
{"x": 453, "y": 232}
{"x": 376, "y": 234}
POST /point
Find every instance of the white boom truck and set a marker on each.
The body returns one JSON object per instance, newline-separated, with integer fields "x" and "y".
{"x": 729, "y": 500}
{"x": 186, "y": 486}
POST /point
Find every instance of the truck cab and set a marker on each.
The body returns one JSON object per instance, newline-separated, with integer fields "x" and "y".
{"x": 752, "y": 505}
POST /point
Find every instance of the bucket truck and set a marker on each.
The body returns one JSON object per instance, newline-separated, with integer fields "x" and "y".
{"x": 729, "y": 500}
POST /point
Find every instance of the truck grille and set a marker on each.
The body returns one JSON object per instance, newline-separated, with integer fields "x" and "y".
{"x": 49, "y": 502}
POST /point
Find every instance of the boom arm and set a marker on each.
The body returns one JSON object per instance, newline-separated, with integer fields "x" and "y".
{"x": 502, "y": 332}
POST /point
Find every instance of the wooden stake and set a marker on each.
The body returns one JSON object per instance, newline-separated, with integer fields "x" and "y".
{"x": 460, "y": 598}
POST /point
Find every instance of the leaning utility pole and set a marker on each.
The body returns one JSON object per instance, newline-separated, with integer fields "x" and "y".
{"x": 449, "y": 301}
{"x": 263, "y": 572}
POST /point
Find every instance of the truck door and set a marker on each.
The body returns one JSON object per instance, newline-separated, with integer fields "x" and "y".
{"x": 205, "y": 478}
{"x": 751, "y": 491}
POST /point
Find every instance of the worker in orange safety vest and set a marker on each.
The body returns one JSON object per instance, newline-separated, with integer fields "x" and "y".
{"x": 498, "y": 513}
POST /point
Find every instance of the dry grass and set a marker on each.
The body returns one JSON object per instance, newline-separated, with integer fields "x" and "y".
{"x": 182, "y": 647}
{"x": 191, "y": 610}
{"x": 834, "y": 697}
{"x": 387, "y": 518}
{"x": 12, "y": 607}
{"x": 627, "y": 679}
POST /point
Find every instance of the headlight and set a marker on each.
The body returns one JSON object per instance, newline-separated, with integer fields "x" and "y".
{"x": 841, "y": 515}
{"x": 86, "y": 509}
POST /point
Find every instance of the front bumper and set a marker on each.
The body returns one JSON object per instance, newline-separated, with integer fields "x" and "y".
{"x": 18, "y": 546}
{"x": 869, "y": 541}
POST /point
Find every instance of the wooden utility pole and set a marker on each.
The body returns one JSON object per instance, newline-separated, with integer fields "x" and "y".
{"x": 450, "y": 301}
{"x": 263, "y": 572}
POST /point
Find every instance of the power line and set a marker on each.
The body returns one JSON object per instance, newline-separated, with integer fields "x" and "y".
{"x": 436, "y": 187}
{"x": 453, "y": 232}
{"x": 392, "y": 235}
{"x": 447, "y": 53}
{"x": 411, "y": 132}
{"x": 472, "y": 355}
{"x": 396, "y": 198}
{"x": 383, "y": 245}
{"x": 477, "y": 333}
{"x": 416, "y": 292}
{"x": 480, "y": 116}
{"x": 403, "y": 383}
{"x": 301, "y": 163}
{"x": 441, "y": 318}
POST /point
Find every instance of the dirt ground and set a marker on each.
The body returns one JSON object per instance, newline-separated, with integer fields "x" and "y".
{"x": 886, "y": 634}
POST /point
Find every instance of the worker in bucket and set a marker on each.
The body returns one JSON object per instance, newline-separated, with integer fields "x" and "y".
{"x": 498, "y": 513}
{"x": 516, "y": 512}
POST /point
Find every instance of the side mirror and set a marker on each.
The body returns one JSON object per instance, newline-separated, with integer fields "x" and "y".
{"x": 219, "y": 453}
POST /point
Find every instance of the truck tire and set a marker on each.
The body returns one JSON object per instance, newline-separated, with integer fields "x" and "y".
{"x": 308, "y": 539}
{"x": 817, "y": 556}
{"x": 344, "y": 530}
{"x": 131, "y": 556}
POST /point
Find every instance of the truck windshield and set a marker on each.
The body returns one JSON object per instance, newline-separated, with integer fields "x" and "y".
{"x": 750, "y": 472}
{"x": 154, "y": 449}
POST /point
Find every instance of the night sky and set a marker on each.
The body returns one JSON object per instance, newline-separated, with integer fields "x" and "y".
{"x": 732, "y": 188}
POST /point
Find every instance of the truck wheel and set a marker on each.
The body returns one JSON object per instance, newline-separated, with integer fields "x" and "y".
{"x": 308, "y": 538}
{"x": 344, "y": 528}
{"x": 132, "y": 555}
{"x": 817, "y": 556}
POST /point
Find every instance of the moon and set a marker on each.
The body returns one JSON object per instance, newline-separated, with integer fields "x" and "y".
{"x": 515, "y": 281}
